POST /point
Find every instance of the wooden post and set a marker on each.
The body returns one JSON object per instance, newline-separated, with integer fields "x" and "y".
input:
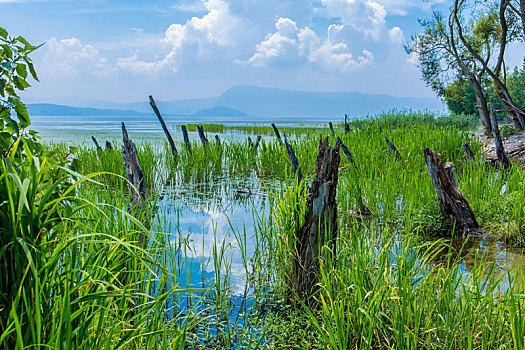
{"x": 186, "y": 138}
{"x": 468, "y": 151}
{"x": 164, "y": 127}
{"x": 320, "y": 226}
{"x": 99, "y": 149}
{"x": 330, "y": 125}
{"x": 393, "y": 148}
{"x": 347, "y": 126}
{"x": 276, "y": 132}
{"x": 346, "y": 151}
{"x": 257, "y": 142}
{"x": 202, "y": 136}
{"x": 293, "y": 159}
{"x": 498, "y": 143}
{"x": 453, "y": 204}
{"x": 250, "y": 142}
{"x": 109, "y": 146}
{"x": 218, "y": 140}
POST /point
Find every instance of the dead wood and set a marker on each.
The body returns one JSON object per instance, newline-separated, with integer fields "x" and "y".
{"x": 186, "y": 138}
{"x": 498, "y": 143}
{"x": 293, "y": 159}
{"x": 163, "y": 124}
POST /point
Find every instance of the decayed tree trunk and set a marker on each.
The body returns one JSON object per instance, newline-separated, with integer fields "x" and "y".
{"x": 218, "y": 140}
{"x": 257, "y": 142}
{"x": 99, "y": 149}
{"x": 250, "y": 142}
{"x": 293, "y": 159}
{"x": 134, "y": 174}
{"x": 202, "y": 135}
{"x": 320, "y": 227}
{"x": 109, "y": 146}
{"x": 393, "y": 148}
{"x": 331, "y": 128}
{"x": 186, "y": 138}
{"x": 163, "y": 124}
{"x": 498, "y": 143}
{"x": 347, "y": 126}
{"x": 339, "y": 144}
{"x": 276, "y": 132}
{"x": 453, "y": 204}
{"x": 468, "y": 151}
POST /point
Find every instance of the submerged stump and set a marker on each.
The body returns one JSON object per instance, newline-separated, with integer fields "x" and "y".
{"x": 454, "y": 205}
{"x": 320, "y": 227}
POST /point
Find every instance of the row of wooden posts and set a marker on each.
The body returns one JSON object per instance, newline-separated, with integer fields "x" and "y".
{"x": 320, "y": 226}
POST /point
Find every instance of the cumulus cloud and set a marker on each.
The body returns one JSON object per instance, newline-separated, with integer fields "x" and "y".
{"x": 290, "y": 43}
{"x": 198, "y": 37}
{"x": 69, "y": 57}
{"x": 365, "y": 16}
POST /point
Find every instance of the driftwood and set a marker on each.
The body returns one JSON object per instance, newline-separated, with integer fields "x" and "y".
{"x": 330, "y": 125}
{"x": 250, "y": 142}
{"x": 453, "y": 204}
{"x": 186, "y": 138}
{"x": 293, "y": 159}
{"x": 347, "y": 126}
{"x": 99, "y": 149}
{"x": 249, "y": 192}
{"x": 346, "y": 151}
{"x": 393, "y": 148}
{"x": 468, "y": 151}
{"x": 276, "y": 132}
{"x": 163, "y": 124}
{"x": 320, "y": 226}
{"x": 498, "y": 143}
{"x": 133, "y": 170}
{"x": 257, "y": 142}
{"x": 109, "y": 146}
{"x": 202, "y": 136}
{"x": 218, "y": 140}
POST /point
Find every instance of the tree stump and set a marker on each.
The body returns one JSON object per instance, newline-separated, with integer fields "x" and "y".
{"x": 257, "y": 142}
{"x": 218, "y": 140}
{"x": 346, "y": 151}
{"x": 202, "y": 135}
{"x": 250, "y": 142}
{"x": 453, "y": 204}
{"x": 320, "y": 227}
{"x": 498, "y": 143}
{"x": 331, "y": 126}
{"x": 163, "y": 124}
{"x": 99, "y": 149}
{"x": 109, "y": 146}
{"x": 277, "y": 134}
{"x": 347, "y": 126}
{"x": 186, "y": 138}
{"x": 293, "y": 159}
{"x": 468, "y": 151}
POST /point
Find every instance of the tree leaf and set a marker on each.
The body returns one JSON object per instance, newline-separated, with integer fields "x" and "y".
{"x": 21, "y": 70}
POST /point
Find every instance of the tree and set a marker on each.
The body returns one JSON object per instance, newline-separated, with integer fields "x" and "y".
{"x": 443, "y": 60}
{"x": 492, "y": 32}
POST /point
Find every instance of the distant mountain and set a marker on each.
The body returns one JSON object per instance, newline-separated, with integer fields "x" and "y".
{"x": 220, "y": 111}
{"x": 49, "y": 109}
{"x": 258, "y": 102}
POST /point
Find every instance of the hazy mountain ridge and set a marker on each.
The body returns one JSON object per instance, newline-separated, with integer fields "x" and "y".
{"x": 259, "y": 101}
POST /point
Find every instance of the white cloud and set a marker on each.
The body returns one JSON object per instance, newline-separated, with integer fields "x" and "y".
{"x": 69, "y": 57}
{"x": 289, "y": 43}
{"x": 396, "y": 35}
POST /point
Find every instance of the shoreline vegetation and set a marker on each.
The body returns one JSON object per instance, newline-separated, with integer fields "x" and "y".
{"x": 83, "y": 266}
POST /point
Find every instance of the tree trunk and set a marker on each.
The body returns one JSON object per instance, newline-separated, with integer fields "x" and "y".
{"x": 293, "y": 159}
{"x": 276, "y": 132}
{"x": 453, "y": 204}
{"x": 186, "y": 138}
{"x": 202, "y": 136}
{"x": 164, "y": 127}
{"x": 498, "y": 143}
{"x": 481, "y": 101}
{"x": 320, "y": 227}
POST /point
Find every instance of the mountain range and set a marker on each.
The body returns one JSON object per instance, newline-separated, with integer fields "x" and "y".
{"x": 250, "y": 101}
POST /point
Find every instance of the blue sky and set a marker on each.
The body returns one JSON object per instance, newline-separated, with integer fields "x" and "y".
{"x": 126, "y": 50}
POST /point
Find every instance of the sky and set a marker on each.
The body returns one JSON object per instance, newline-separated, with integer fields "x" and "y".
{"x": 126, "y": 50}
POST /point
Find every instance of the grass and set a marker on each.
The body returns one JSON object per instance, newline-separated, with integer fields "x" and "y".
{"x": 82, "y": 281}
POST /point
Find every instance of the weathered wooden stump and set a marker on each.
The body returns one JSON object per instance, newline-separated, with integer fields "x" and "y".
{"x": 498, "y": 143}
{"x": 468, "y": 151}
{"x": 202, "y": 135}
{"x": 320, "y": 227}
{"x": 331, "y": 126}
{"x": 453, "y": 204}
{"x": 99, "y": 149}
{"x": 347, "y": 126}
{"x": 393, "y": 148}
{"x": 250, "y": 142}
{"x": 339, "y": 144}
{"x": 217, "y": 140}
{"x": 186, "y": 138}
{"x": 276, "y": 131}
{"x": 163, "y": 124}
{"x": 109, "y": 146}
{"x": 293, "y": 159}
{"x": 257, "y": 142}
